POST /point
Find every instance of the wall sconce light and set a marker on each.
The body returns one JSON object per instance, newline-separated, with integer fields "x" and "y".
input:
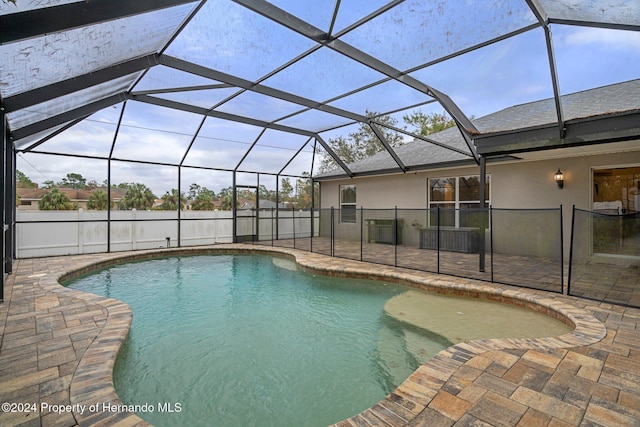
{"x": 559, "y": 178}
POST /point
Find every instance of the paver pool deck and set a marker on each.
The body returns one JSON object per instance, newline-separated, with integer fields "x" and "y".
{"x": 59, "y": 345}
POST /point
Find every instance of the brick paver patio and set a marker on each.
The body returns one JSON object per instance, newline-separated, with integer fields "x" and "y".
{"x": 59, "y": 345}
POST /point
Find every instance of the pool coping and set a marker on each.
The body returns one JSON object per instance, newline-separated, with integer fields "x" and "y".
{"x": 92, "y": 382}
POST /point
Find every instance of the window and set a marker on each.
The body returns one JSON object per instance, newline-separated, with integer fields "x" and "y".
{"x": 616, "y": 190}
{"x": 457, "y": 197}
{"x": 348, "y": 203}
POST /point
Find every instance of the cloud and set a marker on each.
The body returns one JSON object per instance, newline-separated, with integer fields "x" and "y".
{"x": 618, "y": 40}
{"x": 223, "y": 146}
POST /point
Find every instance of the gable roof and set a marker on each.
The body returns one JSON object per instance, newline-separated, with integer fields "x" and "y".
{"x": 607, "y": 101}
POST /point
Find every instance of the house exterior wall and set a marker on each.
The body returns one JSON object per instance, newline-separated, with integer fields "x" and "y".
{"x": 518, "y": 184}
{"x": 531, "y": 185}
{"x": 514, "y": 185}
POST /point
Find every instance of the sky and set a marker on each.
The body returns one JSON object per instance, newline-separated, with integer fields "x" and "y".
{"x": 509, "y": 72}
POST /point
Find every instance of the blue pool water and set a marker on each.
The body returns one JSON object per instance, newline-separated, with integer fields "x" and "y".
{"x": 240, "y": 340}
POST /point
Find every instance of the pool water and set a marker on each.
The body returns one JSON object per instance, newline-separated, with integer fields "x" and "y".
{"x": 243, "y": 340}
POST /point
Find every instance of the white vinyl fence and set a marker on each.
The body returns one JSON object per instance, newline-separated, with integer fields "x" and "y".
{"x": 52, "y": 233}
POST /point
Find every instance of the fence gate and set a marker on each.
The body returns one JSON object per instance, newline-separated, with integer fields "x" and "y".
{"x": 245, "y": 213}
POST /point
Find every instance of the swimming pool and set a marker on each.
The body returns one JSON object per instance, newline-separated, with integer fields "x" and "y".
{"x": 240, "y": 340}
{"x": 168, "y": 361}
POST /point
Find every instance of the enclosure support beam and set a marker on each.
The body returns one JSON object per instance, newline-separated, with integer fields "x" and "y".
{"x": 64, "y": 17}
{"x": 217, "y": 114}
{"x": 464, "y": 124}
{"x": 555, "y": 82}
{"x": 424, "y": 138}
{"x": 113, "y": 146}
{"x": 313, "y": 193}
{"x": 8, "y": 189}
{"x": 51, "y": 122}
{"x": 334, "y": 156}
{"x": 179, "y": 203}
{"x": 52, "y": 135}
{"x": 10, "y": 205}
{"x": 249, "y": 150}
{"x": 287, "y": 20}
{"x": 193, "y": 139}
{"x": 294, "y": 156}
{"x": 605, "y": 25}
{"x": 387, "y": 146}
{"x": 3, "y": 188}
{"x": 234, "y": 209}
{"x": 483, "y": 206}
{"x": 543, "y": 20}
{"x": 277, "y": 208}
{"x": 109, "y": 205}
{"x": 65, "y": 87}
{"x": 233, "y": 81}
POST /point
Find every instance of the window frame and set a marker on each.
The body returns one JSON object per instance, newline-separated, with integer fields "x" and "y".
{"x": 625, "y": 208}
{"x": 456, "y": 202}
{"x": 348, "y": 215}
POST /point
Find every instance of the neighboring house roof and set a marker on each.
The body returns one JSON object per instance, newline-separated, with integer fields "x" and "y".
{"x": 264, "y": 204}
{"x": 72, "y": 193}
{"x": 30, "y": 193}
{"x": 418, "y": 154}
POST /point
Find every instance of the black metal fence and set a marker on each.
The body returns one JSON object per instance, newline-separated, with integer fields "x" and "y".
{"x": 521, "y": 247}
{"x": 604, "y": 263}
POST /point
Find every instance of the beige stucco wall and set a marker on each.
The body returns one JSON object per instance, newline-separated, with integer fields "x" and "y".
{"x": 515, "y": 184}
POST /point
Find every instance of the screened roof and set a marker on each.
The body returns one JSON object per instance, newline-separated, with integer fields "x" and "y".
{"x": 254, "y": 86}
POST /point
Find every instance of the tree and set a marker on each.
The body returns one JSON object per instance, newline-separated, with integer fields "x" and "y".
{"x": 93, "y": 184}
{"x": 98, "y": 200}
{"x": 73, "y": 180}
{"x": 171, "y": 199}
{"x": 303, "y": 184}
{"x": 366, "y": 140}
{"x": 203, "y": 201}
{"x": 226, "y": 191}
{"x": 266, "y": 194}
{"x": 23, "y": 181}
{"x": 49, "y": 184}
{"x": 138, "y": 196}
{"x": 226, "y": 198}
{"x": 226, "y": 202}
{"x": 202, "y": 198}
{"x": 363, "y": 143}
{"x": 194, "y": 190}
{"x": 426, "y": 124}
{"x": 286, "y": 189}
{"x": 54, "y": 200}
